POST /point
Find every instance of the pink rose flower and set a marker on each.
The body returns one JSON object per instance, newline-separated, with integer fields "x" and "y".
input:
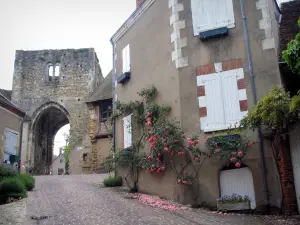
{"x": 217, "y": 150}
{"x": 233, "y": 159}
{"x": 238, "y": 165}
{"x": 240, "y": 154}
{"x": 185, "y": 182}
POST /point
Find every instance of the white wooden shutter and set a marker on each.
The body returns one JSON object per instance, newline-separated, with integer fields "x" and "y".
{"x": 211, "y": 14}
{"x": 214, "y": 103}
{"x": 231, "y": 98}
{"x": 238, "y": 181}
{"x": 126, "y": 59}
{"x": 127, "y": 131}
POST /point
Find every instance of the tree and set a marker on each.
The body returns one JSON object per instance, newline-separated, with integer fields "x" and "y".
{"x": 273, "y": 113}
{"x": 292, "y": 54}
{"x": 67, "y": 151}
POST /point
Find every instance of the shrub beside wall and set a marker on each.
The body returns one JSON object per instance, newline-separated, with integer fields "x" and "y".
{"x": 14, "y": 185}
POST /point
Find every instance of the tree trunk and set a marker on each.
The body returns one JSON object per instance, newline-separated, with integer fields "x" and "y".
{"x": 289, "y": 201}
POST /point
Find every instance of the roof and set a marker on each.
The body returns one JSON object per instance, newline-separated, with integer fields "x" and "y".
{"x": 7, "y": 104}
{"x": 103, "y": 91}
{"x": 6, "y": 93}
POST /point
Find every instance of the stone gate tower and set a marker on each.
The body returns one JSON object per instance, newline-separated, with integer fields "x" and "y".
{"x": 52, "y": 86}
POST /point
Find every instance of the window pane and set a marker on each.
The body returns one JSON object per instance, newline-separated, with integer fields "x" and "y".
{"x": 56, "y": 71}
{"x": 50, "y": 71}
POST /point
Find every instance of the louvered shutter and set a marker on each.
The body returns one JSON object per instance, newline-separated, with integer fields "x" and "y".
{"x": 214, "y": 103}
{"x": 124, "y": 60}
{"x": 128, "y": 58}
{"x": 231, "y": 98}
{"x": 211, "y": 14}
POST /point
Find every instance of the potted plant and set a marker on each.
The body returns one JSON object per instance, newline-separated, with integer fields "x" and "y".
{"x": 233, "y": 202}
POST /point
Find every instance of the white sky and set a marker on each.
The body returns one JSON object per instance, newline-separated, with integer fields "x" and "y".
{"x": 59, "y": 24}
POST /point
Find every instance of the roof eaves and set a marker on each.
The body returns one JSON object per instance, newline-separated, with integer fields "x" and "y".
{"x": 131, "y": 20}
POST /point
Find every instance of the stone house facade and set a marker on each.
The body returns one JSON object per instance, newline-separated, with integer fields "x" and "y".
{"x": 11, "y": 121}
{"x": 204, "y": 69}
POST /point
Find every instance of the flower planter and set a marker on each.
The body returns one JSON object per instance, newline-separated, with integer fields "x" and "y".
{"x": 233, "y": 206}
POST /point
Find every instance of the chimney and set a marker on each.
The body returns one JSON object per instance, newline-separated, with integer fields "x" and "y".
{"x": 138, "y": 2}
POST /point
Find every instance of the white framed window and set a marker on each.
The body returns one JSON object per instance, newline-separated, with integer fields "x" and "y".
{"x": 212, "y": 14}
{"x": 126, "y": 59}
{"x": 223, "y": 100}
{"x": 127, "y": 131}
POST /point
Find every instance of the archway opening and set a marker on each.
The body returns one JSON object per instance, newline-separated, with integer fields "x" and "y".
{"x": 61, "y": 141}
{"x": 46, "y": 128}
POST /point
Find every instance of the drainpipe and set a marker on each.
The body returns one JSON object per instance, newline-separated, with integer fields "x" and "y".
{"x": 261, "y": 145}
{"x": 113, "y": 103}
{"x": 20, "y": 143}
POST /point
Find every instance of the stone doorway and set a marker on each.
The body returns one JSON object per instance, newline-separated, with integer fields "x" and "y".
{"x": 44, "y": 128}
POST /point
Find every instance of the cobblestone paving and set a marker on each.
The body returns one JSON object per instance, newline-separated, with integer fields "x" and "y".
{"x": 73, "y": 199}
{"x": 13, "y": 213}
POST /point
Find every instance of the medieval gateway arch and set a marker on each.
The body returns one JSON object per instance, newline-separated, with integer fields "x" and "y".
{"x": 52, "y": 87}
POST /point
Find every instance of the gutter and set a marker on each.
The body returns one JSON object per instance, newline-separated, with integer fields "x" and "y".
{"x": 20, "y": 144}
{"x": 113, "y": 77}
{"x": 253, "y": 88}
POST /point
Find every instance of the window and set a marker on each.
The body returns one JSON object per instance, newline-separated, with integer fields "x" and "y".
{"x": 212, "y": 14}
{"x": 223, "y": 100}
{"x": 105, "y": 110}
{"x": 126, "y": 59}
{"x": 50, "y": 70}
{"x": 84, "y": 157}
{"x": 56, "y": 71}
{"x": 127, "y": 135}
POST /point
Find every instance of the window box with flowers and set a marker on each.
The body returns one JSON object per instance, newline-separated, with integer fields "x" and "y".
{"x": 234, "y": 202}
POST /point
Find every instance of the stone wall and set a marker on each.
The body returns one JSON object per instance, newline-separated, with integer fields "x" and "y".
{"x": 37, "y": 92}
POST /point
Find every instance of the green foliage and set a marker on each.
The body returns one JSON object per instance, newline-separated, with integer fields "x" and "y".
{"x": 113, "y": 181}
{"x": 28, "y": 180}
{"x": 7, "y": 172}
{"x": 67, "y": 150}
{"x": 295, "y": 104}
{"x": 292, "y": 54}
{"x": 272, "y": 111}
{"x": 12, "y": 187}
{"x": 148, "y": 93}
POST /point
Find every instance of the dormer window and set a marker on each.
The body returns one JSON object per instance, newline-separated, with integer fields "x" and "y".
{"x": 105, "y": 110}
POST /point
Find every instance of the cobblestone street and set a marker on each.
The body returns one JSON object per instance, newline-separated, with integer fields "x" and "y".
{"x": 75, "y": 200}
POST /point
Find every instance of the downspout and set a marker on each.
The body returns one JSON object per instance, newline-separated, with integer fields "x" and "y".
{"x": 20, "y": 143}
{"x": 113, "y": 103}
{"x": 253, "y": 88}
